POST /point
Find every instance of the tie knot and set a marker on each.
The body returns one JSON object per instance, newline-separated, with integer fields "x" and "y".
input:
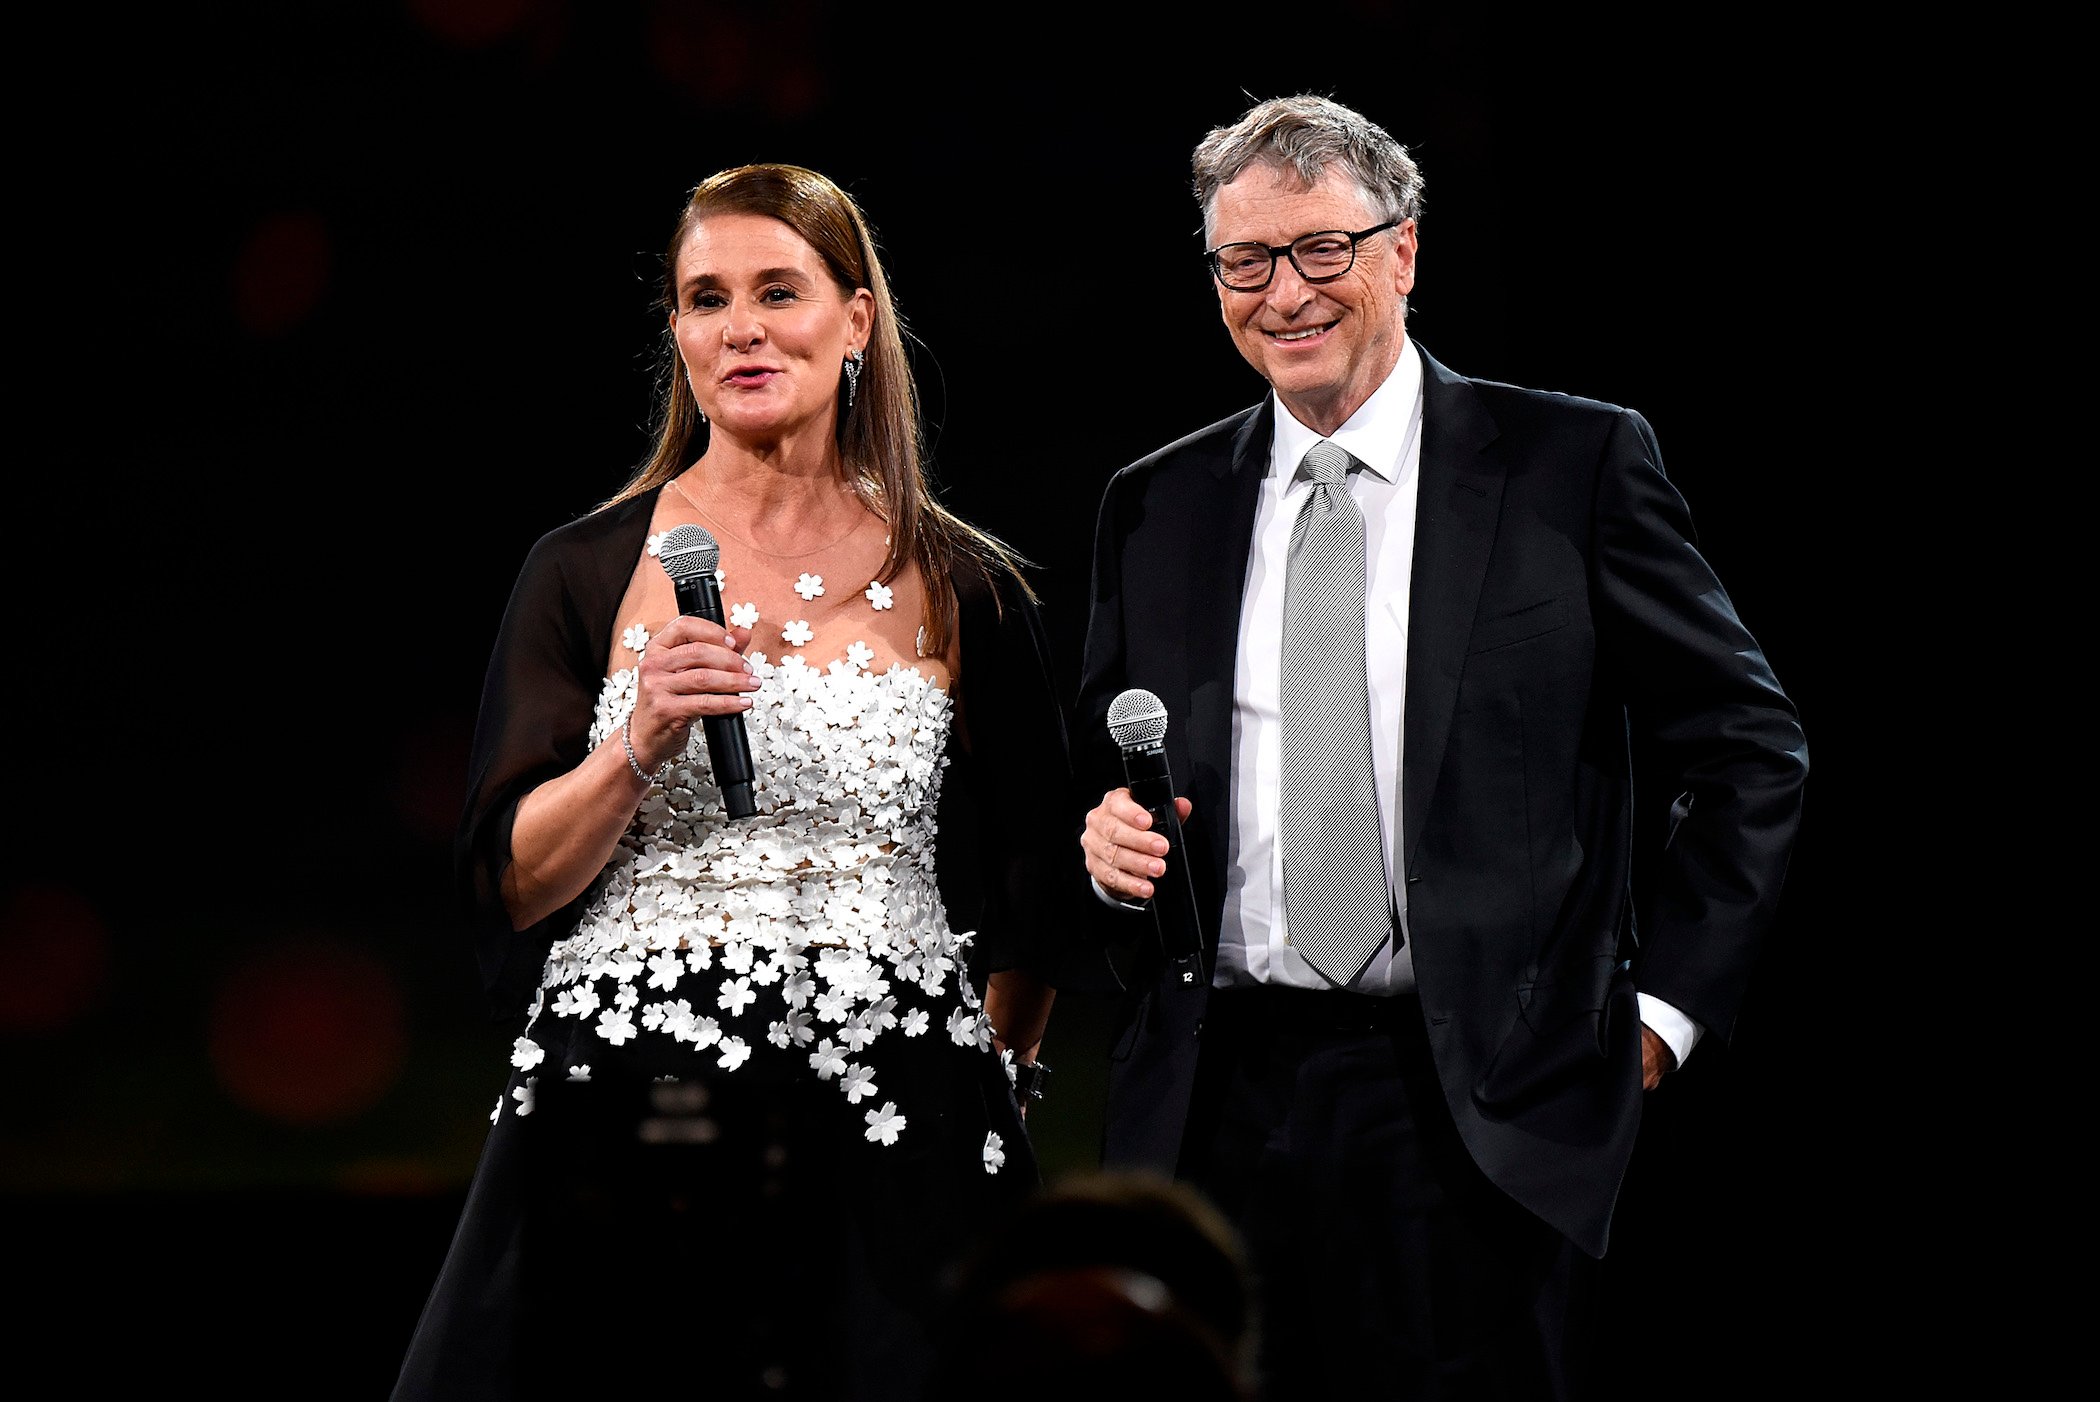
{"x": 1326, "y": 464}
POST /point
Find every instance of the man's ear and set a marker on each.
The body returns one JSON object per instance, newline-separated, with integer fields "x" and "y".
{"x": 1404, "y": 250}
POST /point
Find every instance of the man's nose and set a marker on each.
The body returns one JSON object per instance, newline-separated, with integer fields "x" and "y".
{"x": 1287, "y": 291}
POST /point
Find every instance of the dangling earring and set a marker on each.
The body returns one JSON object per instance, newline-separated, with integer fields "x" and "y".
{"x": 853, "y": 362}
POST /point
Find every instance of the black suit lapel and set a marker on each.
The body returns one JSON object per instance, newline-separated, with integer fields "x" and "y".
{"x": 1221, "y": 525}
{"x": 1459, "y": 502}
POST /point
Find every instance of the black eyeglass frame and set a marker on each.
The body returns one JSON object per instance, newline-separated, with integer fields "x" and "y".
{"x": 1283, "y": 250}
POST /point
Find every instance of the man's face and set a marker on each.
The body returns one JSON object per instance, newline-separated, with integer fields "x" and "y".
{"x": 1323, "y": 346}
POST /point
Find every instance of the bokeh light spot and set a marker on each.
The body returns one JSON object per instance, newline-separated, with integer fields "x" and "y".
{"x": 308, "y": 1031}
{"x": 469, "y": 22}
{"x": 706, "y": 52}
{"x": 281, "y": 273}
{"x": 430, "y": 782}
{"x": 56, "y": 954}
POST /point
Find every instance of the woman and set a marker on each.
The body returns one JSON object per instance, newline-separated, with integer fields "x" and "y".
{"x": 758, "y": 1107}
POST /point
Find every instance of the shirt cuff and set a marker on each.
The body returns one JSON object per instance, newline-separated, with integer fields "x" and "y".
{"x": 1111, "y": 900}
{"x": 1678, "y": 1032}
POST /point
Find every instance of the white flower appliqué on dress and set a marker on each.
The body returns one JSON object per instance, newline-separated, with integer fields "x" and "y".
{"x": 812, "y": 920}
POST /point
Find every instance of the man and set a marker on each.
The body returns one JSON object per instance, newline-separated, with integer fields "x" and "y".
{"x": 1413, "y": 688}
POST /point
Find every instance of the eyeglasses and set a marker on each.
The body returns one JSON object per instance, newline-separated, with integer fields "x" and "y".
{"x": 1319, "y": 257}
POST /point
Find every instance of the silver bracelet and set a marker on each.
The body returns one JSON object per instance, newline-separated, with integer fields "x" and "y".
{"x": 627, "y": 744}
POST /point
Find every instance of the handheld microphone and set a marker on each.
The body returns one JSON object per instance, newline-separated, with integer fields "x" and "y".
{"x": 689, "y": 556}
{"x": 1138, "y": 722}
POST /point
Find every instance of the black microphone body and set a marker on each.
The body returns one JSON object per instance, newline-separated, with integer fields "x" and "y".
{"x": 728, "y": 747}
{"x": 1173, "y": 902}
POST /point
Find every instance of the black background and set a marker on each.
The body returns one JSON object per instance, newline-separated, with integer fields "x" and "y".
{"x": 343, "y": 305}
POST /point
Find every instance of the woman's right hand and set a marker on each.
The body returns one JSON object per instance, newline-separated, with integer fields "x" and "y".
{"x": 567, "y": 828}
{"x": 691, "y": 667}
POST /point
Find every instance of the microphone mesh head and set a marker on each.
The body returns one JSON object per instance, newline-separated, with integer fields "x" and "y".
{"x": 1137, "y": 718}
{"x": 688, "y": 552}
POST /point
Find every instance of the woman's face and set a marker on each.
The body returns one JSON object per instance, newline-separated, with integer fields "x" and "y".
{"x": 762, "y": 328}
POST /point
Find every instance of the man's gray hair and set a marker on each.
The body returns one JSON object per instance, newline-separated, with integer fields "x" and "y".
{"x": 1307, "y": 135}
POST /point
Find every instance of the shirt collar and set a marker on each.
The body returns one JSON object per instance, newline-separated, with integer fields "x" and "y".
{"x": 1376, "y": 435}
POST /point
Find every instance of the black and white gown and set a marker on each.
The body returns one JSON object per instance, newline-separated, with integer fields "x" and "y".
{"x": 754, "y": 1113}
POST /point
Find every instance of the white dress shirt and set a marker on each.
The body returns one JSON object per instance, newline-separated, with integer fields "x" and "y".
{"x": 1384, "y": 434}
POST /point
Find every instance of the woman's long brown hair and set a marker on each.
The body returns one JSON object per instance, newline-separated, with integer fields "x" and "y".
{"x": 881, "y": 450}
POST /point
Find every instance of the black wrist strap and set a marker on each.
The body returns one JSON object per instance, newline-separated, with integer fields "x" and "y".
{"x": 1029, "y": 1079}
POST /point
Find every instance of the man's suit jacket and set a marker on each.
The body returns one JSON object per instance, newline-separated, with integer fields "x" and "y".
{"x": 1567, "y": 649}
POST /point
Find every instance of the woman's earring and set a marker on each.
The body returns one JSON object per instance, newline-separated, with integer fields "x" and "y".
{"x": 853, "y": 363}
